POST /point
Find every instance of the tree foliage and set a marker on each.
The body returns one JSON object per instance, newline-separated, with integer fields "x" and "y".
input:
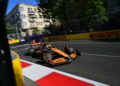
{"x": 10, "y": 28}
{"x": 89, "y": 13}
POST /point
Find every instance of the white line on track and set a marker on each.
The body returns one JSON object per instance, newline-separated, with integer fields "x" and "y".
{"x": 99, "y": 55}
{"x": 20, "y": 46}
{"x": 24, "y": 49}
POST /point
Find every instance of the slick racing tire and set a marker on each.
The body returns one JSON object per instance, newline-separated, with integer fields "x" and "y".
{"x": 45, "y": 58}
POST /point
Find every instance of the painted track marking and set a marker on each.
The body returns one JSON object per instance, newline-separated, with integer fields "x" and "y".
{"x": 100, "y": 55}
{"x": 38, "y": 73}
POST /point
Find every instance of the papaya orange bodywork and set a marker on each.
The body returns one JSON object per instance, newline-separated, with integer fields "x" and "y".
{"x": 73, "y": 55}
{"x": 60, "y": 52}
{"x": 59, "y": 60}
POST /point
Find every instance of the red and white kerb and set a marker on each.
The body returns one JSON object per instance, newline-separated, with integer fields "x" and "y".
{"x": 45, "y": 76}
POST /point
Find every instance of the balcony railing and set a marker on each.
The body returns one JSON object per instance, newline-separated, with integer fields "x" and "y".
{"x": 32, "y": 20}
{"x": 32, "y": 16}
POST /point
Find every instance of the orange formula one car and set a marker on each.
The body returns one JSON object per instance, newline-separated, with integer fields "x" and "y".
{"x": 53, "y": 56}
{"x": 71, "y": 52}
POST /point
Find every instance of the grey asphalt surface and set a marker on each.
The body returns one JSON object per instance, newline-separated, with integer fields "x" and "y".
{"x": 99, "y": 61}
{"x": 29, "y": 82}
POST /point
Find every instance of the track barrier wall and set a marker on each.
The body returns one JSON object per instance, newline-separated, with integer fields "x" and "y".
{"x": 46, "y": 38}
{"x": 105, "y": 35}
{"x": 77, "y": 36}
{"x": 14, "y": 41}
{"x": 57, "y": 38}
{"x": 115, "y": 34}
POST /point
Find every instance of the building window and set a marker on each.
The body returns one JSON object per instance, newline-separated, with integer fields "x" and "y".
{"x": 30, "y": 10}
{"x": 21, "y": 8}
{"x": 46, "y": 25}
{"x": 39, "y": 23}
{"x": 24, "y": 24}
{"x": 32, "y": 25}
{"x": 23, "y": 16}
{"x": 35, "y": 9}
{"x": 46, "y": 20}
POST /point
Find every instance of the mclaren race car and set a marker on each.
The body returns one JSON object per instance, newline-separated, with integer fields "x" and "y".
{"x": 51, "y": 55}
{"x": 71, "y": 52}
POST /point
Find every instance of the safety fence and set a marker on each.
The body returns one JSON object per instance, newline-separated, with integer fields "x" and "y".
{"x": 115, "y": 34}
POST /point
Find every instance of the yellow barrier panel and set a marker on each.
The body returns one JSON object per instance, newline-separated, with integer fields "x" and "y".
{"x": 78, "y": 36}
{"x": 13, "y": 41}
{"x": 105, "y": 35}
{"x": 18, "y": 70}
{"x": 91, "y": 35}
{"x": 57, "y": 38}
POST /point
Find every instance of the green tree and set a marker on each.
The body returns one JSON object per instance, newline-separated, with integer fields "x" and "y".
{"x": 10, "y": 28}
{"x": 36, "y": 31}
{"x": 93, "y": 14}
{"x": 87, "y": 13}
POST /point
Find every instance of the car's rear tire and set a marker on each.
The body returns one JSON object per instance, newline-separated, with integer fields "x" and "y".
{"x": 45, "y": 57}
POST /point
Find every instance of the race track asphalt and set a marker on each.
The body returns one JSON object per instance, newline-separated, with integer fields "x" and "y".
{"x": 99, "y": 61}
